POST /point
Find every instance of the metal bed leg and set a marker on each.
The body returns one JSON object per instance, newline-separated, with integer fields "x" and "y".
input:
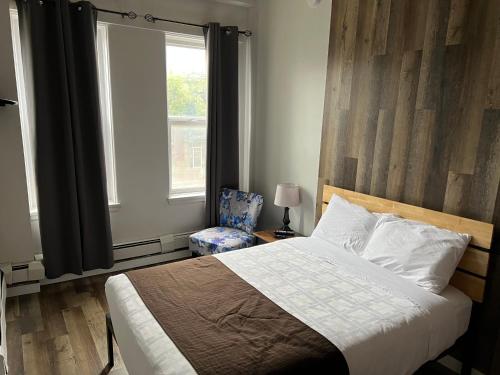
{"x": 466, "y": 369}
{"x": 466, "y": 365}
{"x": 110, "y": 334}
{"x": 467, "y": 354}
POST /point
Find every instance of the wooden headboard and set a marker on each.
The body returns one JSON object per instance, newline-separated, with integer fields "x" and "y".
{"x": 470, "y": 276}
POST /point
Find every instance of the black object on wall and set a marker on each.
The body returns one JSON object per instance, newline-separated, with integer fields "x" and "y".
{"x": 222, "y": 135}
{"x": 58, "y": 42}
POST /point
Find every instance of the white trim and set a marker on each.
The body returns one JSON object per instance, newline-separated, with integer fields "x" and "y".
{"x": 184, "y": 40}
{"x": 113, "y": 207}
{"x": 245, "y": 115}
{"x": 24, "y": 115}
{"x": 186, "y": 198}
{"x": 103, "y": 68}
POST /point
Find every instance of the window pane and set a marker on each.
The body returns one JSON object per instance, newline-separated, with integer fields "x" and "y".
{"x": 186, "y": 81}
{"x": 188, "y": 144}
{"x": 187, "y": 110}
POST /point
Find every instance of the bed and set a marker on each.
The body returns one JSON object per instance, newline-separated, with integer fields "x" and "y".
{"x": 368, "y": 312}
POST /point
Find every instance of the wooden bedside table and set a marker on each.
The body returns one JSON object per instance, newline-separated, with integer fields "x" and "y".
{"x": 267, "y": 236}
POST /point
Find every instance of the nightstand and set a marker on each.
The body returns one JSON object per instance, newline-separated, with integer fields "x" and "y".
{"x": 267, "y": 236}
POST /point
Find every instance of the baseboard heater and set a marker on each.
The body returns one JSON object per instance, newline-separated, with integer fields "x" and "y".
{"x": 126, "y": 255}
{"x": 162, "y": 245}
{"x": 136, "y": 243}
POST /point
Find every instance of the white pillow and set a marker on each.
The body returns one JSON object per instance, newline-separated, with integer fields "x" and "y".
{"x": 419, "y": 252}
{"x": 345, "y": 225}
{"x": 386, "y": 216}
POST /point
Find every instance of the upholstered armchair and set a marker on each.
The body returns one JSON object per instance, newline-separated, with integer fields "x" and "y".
{"x": 238, "y": 215}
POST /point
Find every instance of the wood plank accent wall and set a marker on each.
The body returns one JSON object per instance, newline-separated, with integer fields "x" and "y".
{"x": 412, "y": 113}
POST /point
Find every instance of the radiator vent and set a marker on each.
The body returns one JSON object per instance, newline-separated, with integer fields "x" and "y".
{"x": 122, "y": 252}
{"x": 165, "y": 244}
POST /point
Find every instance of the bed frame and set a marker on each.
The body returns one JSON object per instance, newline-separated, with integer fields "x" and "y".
{"x": 470, "y": 276}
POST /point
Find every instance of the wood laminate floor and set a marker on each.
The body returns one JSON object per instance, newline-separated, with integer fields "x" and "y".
{"x": 62, "y": 330}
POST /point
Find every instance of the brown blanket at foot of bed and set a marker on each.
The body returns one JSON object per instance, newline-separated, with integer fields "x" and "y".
{"x": 223, "y": 325}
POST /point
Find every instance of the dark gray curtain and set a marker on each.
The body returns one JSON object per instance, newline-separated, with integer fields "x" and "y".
{"x": 59, "y": 38}
{"x": 222, "y": 136}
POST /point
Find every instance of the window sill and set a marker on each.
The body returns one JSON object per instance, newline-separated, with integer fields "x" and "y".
{"x": 186, "y": 198}
{"x": 113, "y": 207}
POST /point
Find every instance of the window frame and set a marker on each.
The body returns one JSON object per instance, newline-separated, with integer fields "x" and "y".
{"x": 26, "y": 119}
{"x": 106, "y": 105}
{"x": 27, "y": 128}
{"x": 189, "y": 194}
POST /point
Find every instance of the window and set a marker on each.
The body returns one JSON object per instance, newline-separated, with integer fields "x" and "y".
{"x": 27, "y": 121}
{"x": 187, "y": 114}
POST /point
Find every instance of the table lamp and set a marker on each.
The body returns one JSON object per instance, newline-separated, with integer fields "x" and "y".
{"x": 287, "y": 195}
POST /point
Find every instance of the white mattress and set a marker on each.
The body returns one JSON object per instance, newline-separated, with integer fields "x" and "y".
{"x": 382, "y": 323}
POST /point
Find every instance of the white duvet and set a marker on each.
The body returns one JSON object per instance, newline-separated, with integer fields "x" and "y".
{"x": 382, "y": 323}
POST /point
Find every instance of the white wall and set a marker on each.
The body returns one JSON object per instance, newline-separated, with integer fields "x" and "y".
{"x": 291, "y": 63}
{"x": 137, "y": 68}
{"x": 15, "y": 234}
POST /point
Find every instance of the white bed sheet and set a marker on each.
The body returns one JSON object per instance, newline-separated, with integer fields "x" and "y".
{"x": 382, "y": 323}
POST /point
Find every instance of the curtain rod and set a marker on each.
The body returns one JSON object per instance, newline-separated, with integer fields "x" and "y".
{"x": 150, "y": 18}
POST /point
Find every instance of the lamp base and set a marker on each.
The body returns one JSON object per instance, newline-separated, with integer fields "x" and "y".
{"x": 286, "y": 228}
{"x": 286, "y": 221}
{"x": 284, "y": 233}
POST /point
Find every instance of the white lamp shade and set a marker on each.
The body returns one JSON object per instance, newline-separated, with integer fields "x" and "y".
{"x": 287, "y": 195}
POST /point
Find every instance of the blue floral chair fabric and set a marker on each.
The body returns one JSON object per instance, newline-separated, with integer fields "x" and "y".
{"x": 219, "y": 240}
{"x": 238, "y": 214}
